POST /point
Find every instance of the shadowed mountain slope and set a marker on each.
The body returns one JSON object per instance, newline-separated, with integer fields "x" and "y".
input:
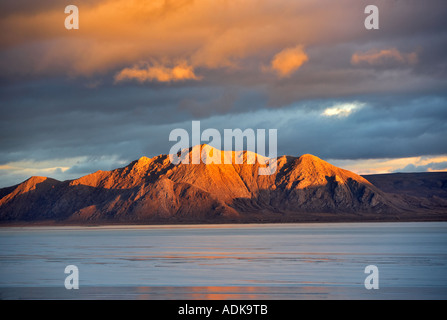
{"x": 156, "y": 190}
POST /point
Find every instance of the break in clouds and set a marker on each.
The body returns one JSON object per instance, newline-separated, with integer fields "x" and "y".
{"x": 73, "y": 102}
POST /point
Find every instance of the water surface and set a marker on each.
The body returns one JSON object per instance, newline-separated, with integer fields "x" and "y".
{"x": 256, "y": 261}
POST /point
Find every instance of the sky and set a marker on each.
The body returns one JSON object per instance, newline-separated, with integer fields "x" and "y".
{"x": 96, "y": 98}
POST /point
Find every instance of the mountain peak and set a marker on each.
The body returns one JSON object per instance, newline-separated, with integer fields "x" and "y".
{"x": 207, "y": 154}
{"x": 33, "y": 184}
{"x": 150, "y": 189}
{"x": 35, "y": 180}
{"x": 310, "y": 157}
{"x": 143, "y": 161}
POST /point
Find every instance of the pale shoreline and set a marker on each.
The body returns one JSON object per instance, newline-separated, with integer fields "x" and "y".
{"x": 207, "y": 225}
{"x": 245, "y": 219}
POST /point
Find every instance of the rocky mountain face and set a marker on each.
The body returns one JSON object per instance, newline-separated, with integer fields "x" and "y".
{"x": 154, "y": 189}
{"x": 422, "y": 190}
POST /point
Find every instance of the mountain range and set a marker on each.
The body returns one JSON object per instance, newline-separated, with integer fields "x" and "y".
{"x": 154, "y": 190}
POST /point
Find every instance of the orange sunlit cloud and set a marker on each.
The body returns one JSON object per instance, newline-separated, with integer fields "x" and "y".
{"x": 289, "y": 60}
{"x": 207, "y": 34}
{"x": 159, "y": 73}
{"x": 376, "y": 57}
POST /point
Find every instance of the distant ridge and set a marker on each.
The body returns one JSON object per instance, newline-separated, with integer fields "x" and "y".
{"x": 153, "y": 190}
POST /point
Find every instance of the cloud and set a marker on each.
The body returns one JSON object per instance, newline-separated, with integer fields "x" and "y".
{"x": 115, "y": 34}
{"x": 388, "y": 165}
{"x": 342, "y": 110}
{"x": 60, "y": 169}
{"x": 16, "y": 172}
{"x": 289, "y": 60}
{"x": 429, "y": 167}
{"x": 384, "y": 57}
{"x": 179, "y": 72}
{"x": 218, "y": 102}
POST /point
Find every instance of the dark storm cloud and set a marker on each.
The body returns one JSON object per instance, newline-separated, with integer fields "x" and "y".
{"x": 62, "y": 127}
{"x": 407, "y": 127}
{"x": 394, "y": 127}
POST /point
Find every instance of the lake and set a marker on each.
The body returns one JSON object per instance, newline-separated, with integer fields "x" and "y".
{"x": 242, "y": 261}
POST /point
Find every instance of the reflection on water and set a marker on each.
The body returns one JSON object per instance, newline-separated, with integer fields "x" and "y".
{"x": 281, "y": 261}
{"x": 257, "y": 293}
